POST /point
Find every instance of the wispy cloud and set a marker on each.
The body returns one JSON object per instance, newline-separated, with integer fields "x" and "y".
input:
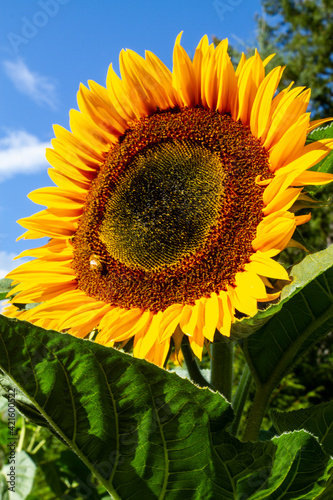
{"x": 39, "y": 88}
{"x": 21, "y": 153}
{"x": 8, "y": 264}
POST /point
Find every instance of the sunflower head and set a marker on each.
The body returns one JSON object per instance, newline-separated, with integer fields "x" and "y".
{"x": 173, "y": 195}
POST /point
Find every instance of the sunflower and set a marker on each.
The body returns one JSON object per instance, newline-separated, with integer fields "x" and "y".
{"x": 173, "y": 195}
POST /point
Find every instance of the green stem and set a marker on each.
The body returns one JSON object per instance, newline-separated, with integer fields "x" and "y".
{"x": 222, "y": 368}
{"x": 257, "y": 413}
{"x": 191, "y": 364}
{"x": 240, "y": 398}
{"x": 38, "y": 446}
{"x": 20, "y": 444}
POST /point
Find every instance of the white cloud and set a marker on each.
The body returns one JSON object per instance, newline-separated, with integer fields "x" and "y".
{"x": 21, "y": 153}
{"x": 40, "y": 89}
{"x": 8, "y": 264}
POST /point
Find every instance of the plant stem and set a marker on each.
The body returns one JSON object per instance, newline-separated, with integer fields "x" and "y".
{"x": 240, "y": 398}
{"x": 22, "y": 436}
{"x": 191, "y": 364}
{"x": 222, "y": 368}
{"x": 257, "y": 412}
{"x": 281, "y": 368}
{"x": 38, "y": 446}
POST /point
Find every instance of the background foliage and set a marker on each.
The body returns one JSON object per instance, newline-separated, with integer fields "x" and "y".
{"x": 300, "y": 32}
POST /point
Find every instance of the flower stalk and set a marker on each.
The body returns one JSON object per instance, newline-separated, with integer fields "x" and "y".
{"x": 240, "y": 398}
{"x": 191, "y": 364}
{"x": 222, "y": 367}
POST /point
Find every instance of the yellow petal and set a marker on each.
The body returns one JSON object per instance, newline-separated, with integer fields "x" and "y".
{"x": 243, "y": 302}
{"x": 101, "y": 112}
{"x": 116, "y": 91}
{"x": 183, "y": 77}
{"x": 211, "y": 317}
{"x": 265, "y": 266}
{"x": 134, "y": 77}
{"x": 196, "y": 343}
{"x": 226, "y": 315}
{"x": 170, "y": 319}
{"x": 144, "y": 341}
{"x": 262, "y": 102}
{"x": 287, "y": 107}
{"x": 50, "y": 225}
{"x": 158, "y": 353}
{"x": 198, "y": 65}
{"x": 54, "y": 196}
{"x": 311, "y": 155}
{"x": 316, "y": 123}
{"x": 314, "y": 178}
{"x": 290, "y": 145}
{"x": 282, "y": 201}
{"x": 250, "y": 282}
{"x": 117, "y": 325}
{"x": 163, "y": 75}
{"x": 250, "y": 77}
{"x": 276, "y": 237}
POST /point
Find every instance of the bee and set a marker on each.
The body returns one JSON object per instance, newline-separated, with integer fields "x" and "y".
{"x": 96, "y": 263}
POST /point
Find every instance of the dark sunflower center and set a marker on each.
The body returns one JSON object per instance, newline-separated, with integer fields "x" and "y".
{"x": 164, "y": 207}
{"x": 173, "y": 211}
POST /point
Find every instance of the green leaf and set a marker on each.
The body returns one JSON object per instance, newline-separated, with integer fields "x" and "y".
{"x": 318, "y": 420}
{"x": 327, "y": 494}
{"x": 326, "y": 132}
{"x": 301, "y": 470}
{"x": 290, "y": 328}
{"x": 23, "y": 476}
{"x": 319, "y": 133}
{"x": 5, "y": 287}
{"x": 147, "y": 433}
{"x": 240, "y": 466}
{"x": 142, "y": 430}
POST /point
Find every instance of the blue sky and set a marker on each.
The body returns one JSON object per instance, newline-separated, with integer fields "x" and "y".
{"x": 47, "y": 47}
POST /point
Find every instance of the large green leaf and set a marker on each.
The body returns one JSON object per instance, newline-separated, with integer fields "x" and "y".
{"x": 302, "y": 317}
{"x": 301, "y": 470}
{"x": 316, "y": 419}
{"x": 145, "y": 433}
{"x": 291, "y": 466}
